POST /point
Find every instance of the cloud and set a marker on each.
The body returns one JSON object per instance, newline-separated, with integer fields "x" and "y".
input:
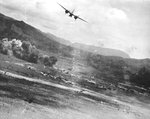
{"x": 28, "y": 12}
{"x": 117, "y": 14}
{"x": 31, "y": 14}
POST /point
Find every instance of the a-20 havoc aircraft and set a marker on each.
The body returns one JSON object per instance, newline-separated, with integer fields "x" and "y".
{"x": 71, "y": 13}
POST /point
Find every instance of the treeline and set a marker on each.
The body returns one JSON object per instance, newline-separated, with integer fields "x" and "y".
{"x": 26, "y": 51}
{"x": 117, "y": 69}
{"x": 142, "y": 77}
{"x": 108, "y": 68}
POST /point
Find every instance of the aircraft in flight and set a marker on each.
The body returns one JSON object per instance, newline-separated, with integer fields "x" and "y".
{"x": 71, "y": 14}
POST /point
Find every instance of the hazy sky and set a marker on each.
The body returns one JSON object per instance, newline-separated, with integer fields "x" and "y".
{"x": 118, "y": 24}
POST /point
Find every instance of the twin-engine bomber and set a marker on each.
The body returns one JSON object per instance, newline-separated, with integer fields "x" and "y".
{"x": 71, "y": 13}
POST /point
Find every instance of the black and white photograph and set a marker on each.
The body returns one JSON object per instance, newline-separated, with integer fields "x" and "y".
{"x": 74, "y": 59}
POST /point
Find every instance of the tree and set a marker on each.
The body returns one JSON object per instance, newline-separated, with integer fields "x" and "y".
{"x": 50, "y": 61}
{"x": 53, "y": 60}
{"x": 5, "y": 46}
{"x": 27, "y": 47}
{"x": 142, "y": 78}
{"x": 34, "y": 55}
{"x": 17, "y": 51}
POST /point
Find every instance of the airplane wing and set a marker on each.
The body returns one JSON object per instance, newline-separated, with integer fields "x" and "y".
{"x": 82, "y": 19}
{"x": 62, "y": 7}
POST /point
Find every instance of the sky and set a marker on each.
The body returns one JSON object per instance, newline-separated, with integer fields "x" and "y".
{"x": 117, "y": 24}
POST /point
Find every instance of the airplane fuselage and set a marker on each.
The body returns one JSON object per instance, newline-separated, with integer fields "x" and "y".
{"x": 70, "y": 15}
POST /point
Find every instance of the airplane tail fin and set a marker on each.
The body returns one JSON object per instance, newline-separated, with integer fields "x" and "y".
{"x": 73, "y": 11}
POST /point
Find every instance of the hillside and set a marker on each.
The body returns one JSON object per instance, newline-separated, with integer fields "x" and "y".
{"x": 107, "y": 67}
{"x": 119, "y": 70}
{"x": 11, "y": 28}
{"x": 58, "y": 39}
{"x": 100, "y": 50}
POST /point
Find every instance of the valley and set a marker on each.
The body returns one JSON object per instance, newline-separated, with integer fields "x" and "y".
{"x": 45, "y": 77}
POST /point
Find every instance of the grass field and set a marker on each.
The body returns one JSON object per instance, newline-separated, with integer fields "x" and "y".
{"x": 46, "y": 97}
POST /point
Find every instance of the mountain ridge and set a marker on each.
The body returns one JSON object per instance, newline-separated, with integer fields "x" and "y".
{"x": 20, "y": 30}
{"x": 12, "y": 28}
{"x": 101, "y": 51}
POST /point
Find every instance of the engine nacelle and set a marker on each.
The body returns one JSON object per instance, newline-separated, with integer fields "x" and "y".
{"x": 70, "y": 15}
{"x": 66, "y": 11}
{"x": 75, "y": 17}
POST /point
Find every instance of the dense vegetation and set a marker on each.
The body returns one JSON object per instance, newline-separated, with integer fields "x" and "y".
{"x": 26, "y": 51}
{"x": 142, "y": 78}
{"x": 117, "y": 69}
{"x": 11, "y": 28}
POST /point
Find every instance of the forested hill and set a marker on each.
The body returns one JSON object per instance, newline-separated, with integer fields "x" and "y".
{"x": 117, "y": 69}
{"x": 11, "y": 28}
